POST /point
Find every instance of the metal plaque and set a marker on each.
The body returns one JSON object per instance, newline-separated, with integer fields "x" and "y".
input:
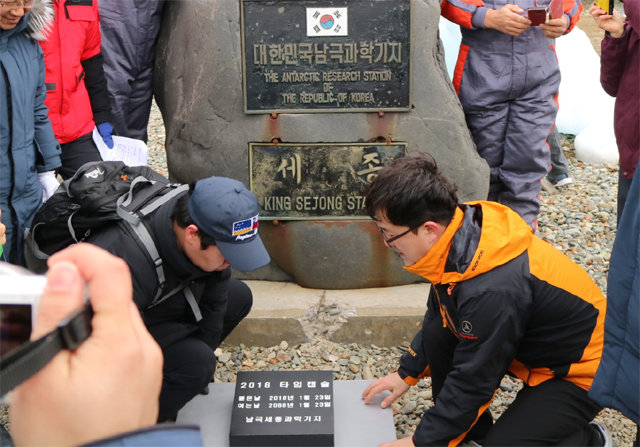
{"x": 326, "y": 55}
{"x": 282, "y": 408}
{"x": 316, "y": 181}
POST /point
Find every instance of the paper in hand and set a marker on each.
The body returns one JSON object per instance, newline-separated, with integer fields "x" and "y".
{"x": 131, "y": 151}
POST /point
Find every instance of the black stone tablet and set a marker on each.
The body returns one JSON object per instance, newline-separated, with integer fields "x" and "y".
{"x": 282, "y": 408}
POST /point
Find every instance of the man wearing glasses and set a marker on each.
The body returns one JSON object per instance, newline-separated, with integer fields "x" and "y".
{"x": 502, "y": 301}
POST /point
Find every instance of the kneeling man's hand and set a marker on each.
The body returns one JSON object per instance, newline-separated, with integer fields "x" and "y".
{"x": 391, "y": 382}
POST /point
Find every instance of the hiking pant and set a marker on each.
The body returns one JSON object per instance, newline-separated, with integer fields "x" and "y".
{"x": 556, "y": 412}
{"x": 129, "y": 30}
{"x": 508, "y": 87}
{"x": 189, "y": 363}
{"x": 76, "y": 153}
{"x": 559, "y": 163}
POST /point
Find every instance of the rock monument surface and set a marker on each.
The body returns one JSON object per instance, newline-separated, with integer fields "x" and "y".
{"x": 198, "y": 83}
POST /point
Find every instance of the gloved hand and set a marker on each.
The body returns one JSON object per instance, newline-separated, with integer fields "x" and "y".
{"x": 49, "y": 184}
{"x": 106, "y": 130}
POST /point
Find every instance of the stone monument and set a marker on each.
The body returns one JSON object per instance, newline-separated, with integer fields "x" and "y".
{"x": 304, "y": 100}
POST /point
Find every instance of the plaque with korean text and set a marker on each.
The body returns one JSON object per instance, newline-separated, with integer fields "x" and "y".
{"x": 316, "y": 180}
{"x": 326, "y": 55}
{"x": 282, "y": 408}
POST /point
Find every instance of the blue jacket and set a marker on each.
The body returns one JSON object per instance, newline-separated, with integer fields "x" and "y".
{"x": 165, "y": 435}
{"x": 27, "y": 143}
{"x": 617, "y": 381}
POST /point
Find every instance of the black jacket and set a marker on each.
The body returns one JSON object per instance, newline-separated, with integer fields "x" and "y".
{"x": 172, "y": 319}
{"x": 514, "y": 303}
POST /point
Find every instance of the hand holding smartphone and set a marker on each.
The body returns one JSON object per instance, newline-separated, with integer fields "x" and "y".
{"x": 537, "y": 16}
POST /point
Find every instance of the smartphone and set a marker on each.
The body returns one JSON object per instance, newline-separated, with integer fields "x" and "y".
{"x": 20, "y": 292}
{"x": 537, "y": 16}
{"x": 605, "y": 5}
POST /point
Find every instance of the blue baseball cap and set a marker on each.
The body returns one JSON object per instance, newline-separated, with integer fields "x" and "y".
{"x": 226, "y": 210}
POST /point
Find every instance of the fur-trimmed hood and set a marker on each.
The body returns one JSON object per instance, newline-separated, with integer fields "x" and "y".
{"x": 40, "y": 19}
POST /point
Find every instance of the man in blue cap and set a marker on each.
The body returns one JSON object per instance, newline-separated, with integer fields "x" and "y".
{"x": 199, "y": 235}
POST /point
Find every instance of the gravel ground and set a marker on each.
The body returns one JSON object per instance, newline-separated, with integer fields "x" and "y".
{"x": 579, "y": 219}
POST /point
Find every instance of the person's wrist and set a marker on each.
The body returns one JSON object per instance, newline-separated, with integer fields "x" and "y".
{"x": 488, "y": 18}
{"x": 619, "y": 33}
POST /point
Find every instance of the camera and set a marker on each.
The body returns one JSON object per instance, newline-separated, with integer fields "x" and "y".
{"x": 20, "y": 292}
{"x": 537, "y": 16}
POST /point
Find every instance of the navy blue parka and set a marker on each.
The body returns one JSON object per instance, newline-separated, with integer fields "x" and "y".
{"x": 617, "y": 381}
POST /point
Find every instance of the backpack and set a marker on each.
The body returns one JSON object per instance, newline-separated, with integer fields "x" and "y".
{"x": 100, "y": 194}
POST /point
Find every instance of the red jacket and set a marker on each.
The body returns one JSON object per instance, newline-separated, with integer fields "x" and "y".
{"x": 73, "y": 39}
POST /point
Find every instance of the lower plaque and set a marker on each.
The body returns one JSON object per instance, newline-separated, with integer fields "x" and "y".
{"x": 282, "y": 408}
{"x": 311, "y": 181}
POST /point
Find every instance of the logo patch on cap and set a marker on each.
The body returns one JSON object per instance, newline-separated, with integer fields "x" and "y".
{"x": 245, "y": 229}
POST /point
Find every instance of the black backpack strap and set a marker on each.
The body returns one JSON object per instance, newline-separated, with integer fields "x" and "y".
{"x": 148, "y": 209}
{"x": 188, "y": 293}
{"x": 31, "y": 244}
{"x": 159, "y": 298}
{"x": 193, "y": 303}
{"x": 72, "y": 232}
{"x": 141, "y": 230}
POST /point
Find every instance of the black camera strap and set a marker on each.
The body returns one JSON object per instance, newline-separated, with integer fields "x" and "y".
{"x": 25, "y": 361}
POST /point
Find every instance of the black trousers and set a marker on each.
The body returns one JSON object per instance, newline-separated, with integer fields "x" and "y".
{"x": 189, "y": 364}
{"x": 556, "y": 412}
{"x": 76, "y": 153}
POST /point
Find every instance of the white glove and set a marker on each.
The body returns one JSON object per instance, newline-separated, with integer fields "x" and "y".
{"x": 49, "y": 184}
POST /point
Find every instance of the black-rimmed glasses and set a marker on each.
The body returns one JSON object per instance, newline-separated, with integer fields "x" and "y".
{"x": 397, "y": 236}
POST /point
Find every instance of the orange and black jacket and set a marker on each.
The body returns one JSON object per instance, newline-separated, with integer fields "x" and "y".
{"x": 515, "y": 303}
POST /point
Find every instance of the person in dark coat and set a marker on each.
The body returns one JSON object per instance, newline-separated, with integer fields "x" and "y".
{"x": 129, "y": 33}
{"x": 29, "y": 152}
{"x": 617, "y": 382}
{"x": 198, "y": 234}
{"x": 620, "y": 78}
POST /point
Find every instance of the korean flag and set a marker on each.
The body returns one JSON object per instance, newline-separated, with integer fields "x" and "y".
{"x": 327, "y": 22}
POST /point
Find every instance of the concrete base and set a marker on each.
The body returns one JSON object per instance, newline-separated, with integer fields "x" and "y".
{"x": 386, "y": 316}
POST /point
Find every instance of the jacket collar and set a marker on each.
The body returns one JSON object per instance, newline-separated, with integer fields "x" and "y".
{"x": 431, "y": 266}
{"x": 39, "y": 19}
{"x": 481, "y": 236}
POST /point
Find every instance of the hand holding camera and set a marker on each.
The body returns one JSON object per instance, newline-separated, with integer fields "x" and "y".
{"x": 111, "y": 382}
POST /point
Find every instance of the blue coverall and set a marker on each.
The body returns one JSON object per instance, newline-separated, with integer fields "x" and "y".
{"x": 508, "y": 89}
